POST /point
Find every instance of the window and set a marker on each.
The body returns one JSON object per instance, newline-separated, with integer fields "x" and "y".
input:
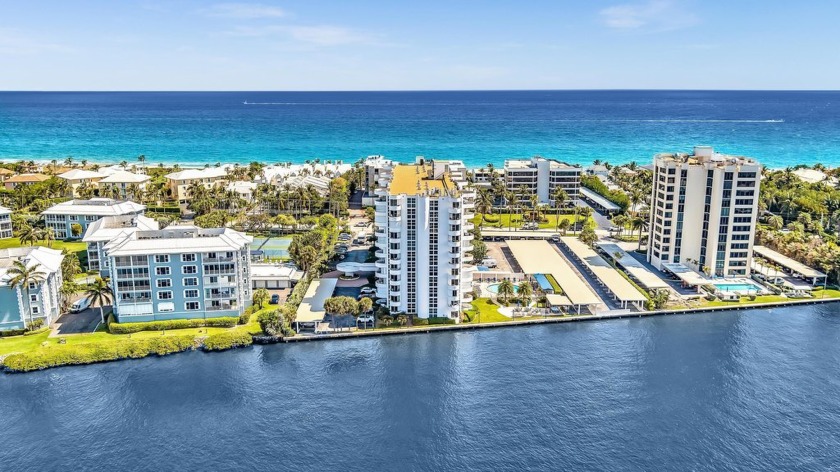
{"x": 165, "y": 295}
{"x": 162, "y": 258}
{"x": 190, "y": 269}
{"x": 32, "y": 285}
{"x": 191, "y": 293}
{"x": 190, "y": 282}
{"x": 33, "y": 297}
{"x": 163, "y": 283}
{"x": 187, "y": 257}
{"x": 36, "y": 310}
{"x": 191, "y": 306}
{"x": 162, "y": 270}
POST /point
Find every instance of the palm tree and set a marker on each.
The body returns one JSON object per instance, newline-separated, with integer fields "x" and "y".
{"x": 99, "y": 293}
{"x": 525, "y": 291}
{"x": 23, "y": 276}
{"x": 776, "y": 222}
{"x": 260, "y": 297}
{"x": 28, "y": 234}
{"x": 506, "y": 290}
{"x": 48, "y": 235}
{"x": 638, "y": 223}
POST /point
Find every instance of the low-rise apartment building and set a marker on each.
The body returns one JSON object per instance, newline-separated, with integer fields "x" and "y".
{"x": 541, "y": 176}
{"x": 179, "y": 182}
{"x": 180, "y": 272}
{"x": 5, "y": 223}
{"x": 80, "y": 177}
{"x": 107, "y": 229}
{"x": 63, "y": 217}
{"x": 42, "y": 301}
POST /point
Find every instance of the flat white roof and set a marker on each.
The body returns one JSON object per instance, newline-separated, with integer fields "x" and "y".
{"x": 206, "y": 173}
{"x": 787, "y": 262}
{"x": 95, "y": 207}
{"x": 312, "y": 306}
{"x": 539, "y": 257}
{"x": 176, "y": 240}
{"x": 599, "y": 199}
{"x": 275, "y": 272}
{"x": 636, "y": 269}
{"x": 557, "y": 300}
{"x": 686, "y": 274}
{"x": 606, "y": 273}
{"x": 109, "y": 228}
{"x": 77, "y": 174}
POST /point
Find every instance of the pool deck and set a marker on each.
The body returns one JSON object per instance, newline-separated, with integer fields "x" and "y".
{"x": 547, "y": 320}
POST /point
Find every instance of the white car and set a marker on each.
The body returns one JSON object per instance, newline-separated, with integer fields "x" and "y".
{"x": 367, "y": 291}
{"x": 365, "y": 318}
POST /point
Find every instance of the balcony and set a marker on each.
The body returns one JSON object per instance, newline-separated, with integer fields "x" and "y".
{"x": 218, "y": 259}
{"x": 394, "y": 251}
{"x": 381, "y": 192}
{"x": 381, "y": 264}
{"x": 468, "y": 226}
{"x": 394, "y": 220}
{"x": 380, "y": 253}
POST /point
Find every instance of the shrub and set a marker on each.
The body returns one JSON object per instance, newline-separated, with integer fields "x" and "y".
{"x": 36, "y": 324}
{"x": 77, "y": 354}
{"x": 12, "y": 332}
{"x": 419, "y": 321}
{"x": 244, "y": 318}
{"x": 230, "y": 340}
{"x": 441, "y": 321}
{"x": 128, "y": 328}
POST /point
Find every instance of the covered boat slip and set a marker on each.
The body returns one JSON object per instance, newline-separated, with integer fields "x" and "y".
{"x": 797, "y": 268}
{"x": 620, "y": 288}
{"x": 636, "y": 269}
{"x": 539, "y": 257}
{"x": 311, "y": 310}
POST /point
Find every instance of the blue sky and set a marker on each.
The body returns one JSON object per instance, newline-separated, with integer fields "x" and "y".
{"x": 428, "y": 45}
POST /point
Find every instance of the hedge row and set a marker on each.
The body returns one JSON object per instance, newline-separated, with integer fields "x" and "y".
{"x": 616, "y": 196}
{"x": 230, "y": 340}
{"x": 59, "y": 355}
{"x": 128, "y": 328}
{"x": 441, "y": 320}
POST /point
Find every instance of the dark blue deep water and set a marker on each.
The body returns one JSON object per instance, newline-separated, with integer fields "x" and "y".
{"x": 779, "y": 128}
{"x": 751, "y": 390}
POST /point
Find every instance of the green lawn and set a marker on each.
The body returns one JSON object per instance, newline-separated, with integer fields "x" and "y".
{"x": 506, "y": 220}
{"x": 78, "y": 247}
{"x": 769, "y": 299}
{"x": 486, "y": 311}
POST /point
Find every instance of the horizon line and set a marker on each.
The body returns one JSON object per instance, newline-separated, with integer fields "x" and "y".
{"x": 425, "y": 90}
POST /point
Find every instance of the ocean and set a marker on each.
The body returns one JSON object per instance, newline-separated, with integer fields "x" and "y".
{"x": 735, "y": 391}
{"x": 778, "y": 128}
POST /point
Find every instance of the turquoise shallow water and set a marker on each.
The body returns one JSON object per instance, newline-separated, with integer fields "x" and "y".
{"x": 779, "y": 128}
{"x": 737, "y": 391}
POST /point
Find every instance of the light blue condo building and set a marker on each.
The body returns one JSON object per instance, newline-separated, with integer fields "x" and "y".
{"x": 104, "y": 230}
{"x": 179, "y": 272}
{"x": 43, "y": 298}
{"x": 63, "y": 216}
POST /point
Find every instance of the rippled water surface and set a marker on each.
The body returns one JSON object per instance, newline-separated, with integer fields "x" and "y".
{"x": 750, "y": 390}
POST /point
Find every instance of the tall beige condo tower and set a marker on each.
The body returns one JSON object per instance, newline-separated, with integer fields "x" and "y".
{"x": 703, "y": 211}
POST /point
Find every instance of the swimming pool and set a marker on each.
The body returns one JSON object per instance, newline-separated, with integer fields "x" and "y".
{"x": 743, "y": 287}
{"x": 494, "y": 288}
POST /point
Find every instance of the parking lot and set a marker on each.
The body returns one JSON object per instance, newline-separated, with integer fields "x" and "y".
{"x": 498, "y": 250}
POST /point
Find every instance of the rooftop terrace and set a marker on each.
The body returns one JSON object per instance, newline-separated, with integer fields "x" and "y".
{"x": 417, "y": 179}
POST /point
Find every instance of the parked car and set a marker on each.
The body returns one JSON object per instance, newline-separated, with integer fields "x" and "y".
{"x": 365, "y": 318}
{"x": 275, "y": 299}
{"x": 555, "y": 310}
{"x": 361, "y": 224}
{"x": 489, "y": 262}
{"x": 81, "y": 304}
{"x": 368, "y": 291}
{"x": 555, "y": 237}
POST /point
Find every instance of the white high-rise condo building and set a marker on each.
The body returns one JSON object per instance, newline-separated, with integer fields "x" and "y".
{"x": 542, "y": 177}
{"x": 423, "y": 221}
{"x": 703, "y": 211}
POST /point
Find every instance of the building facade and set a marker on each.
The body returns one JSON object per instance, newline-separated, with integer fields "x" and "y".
{"x": 43, "y": 298}
{"x": 704, "y": 209}
{"x": 180, "y": 272}
{"x": 5, "y": 223}
{"x": 106, "y": 229}
{"x": 77, "y": 178}
{"x": 179, "y": 182}
{"x": 423, "y": 222}
{"x": 63, "y": 216}
{"x": 541, "y": 176}
{"x": 123, "y": 184}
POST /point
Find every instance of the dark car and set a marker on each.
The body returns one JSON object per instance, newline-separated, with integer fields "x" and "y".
{"x": 275, "y": 299}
